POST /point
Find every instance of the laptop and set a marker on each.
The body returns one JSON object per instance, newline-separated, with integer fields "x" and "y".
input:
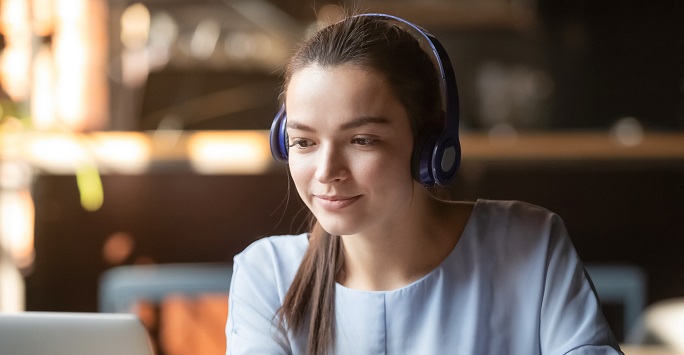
{"x": 39, "y": 333}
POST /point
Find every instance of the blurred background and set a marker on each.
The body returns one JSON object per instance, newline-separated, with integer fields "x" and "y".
{"x": 133, "y": 136}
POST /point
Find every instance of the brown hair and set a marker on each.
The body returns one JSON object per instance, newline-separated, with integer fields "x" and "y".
{"x": 373, "y": 44}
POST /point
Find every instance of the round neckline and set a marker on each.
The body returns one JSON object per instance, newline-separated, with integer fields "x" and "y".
{"x": 464, "y": 235}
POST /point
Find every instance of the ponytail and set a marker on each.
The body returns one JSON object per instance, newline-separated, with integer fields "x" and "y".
{"x": 312, "y": 293}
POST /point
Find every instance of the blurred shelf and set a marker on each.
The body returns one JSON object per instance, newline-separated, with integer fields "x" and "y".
{"x": 576, "y": 146}
{"x": 247, "y": 152}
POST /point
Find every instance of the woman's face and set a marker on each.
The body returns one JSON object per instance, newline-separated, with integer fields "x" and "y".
{"x": 350, "y": 148}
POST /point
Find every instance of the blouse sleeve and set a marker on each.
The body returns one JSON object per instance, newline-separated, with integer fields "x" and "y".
{"x": 252, "y": 326}
{"x": 572, "y": 321}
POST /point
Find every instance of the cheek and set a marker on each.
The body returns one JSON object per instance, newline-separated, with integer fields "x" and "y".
{"x": 400, "y": 160}
{"x": 385, "y": 171}
{"x": 301, "y": 175}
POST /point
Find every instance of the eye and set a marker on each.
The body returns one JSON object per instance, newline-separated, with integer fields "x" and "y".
{"x": 364, "y": 141}
{"x": 301, "y": 143}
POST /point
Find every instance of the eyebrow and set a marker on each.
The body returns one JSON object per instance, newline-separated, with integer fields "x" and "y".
{"x": 357, "y": 122}
{"x": 298, "y": 126}
{"x": 362, "y": 121}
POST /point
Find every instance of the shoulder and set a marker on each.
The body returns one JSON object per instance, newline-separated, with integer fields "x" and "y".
{"x": 262, "y": 274}
{"x": 282, "y": 252}
{"x": 514, "y": 211}
{"x": 273, "y": 260}
{"x": 280, "y": 247}
{"x": 517, "y": 217}
{"x": 506, "y": 226}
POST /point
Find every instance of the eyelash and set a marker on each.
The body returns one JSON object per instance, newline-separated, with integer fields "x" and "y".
{"x": 298, "y": 143}
{"x": 306, "y": 143}
{"x": 365, "y": 141}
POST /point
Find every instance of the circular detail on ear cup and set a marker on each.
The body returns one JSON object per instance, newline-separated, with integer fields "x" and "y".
{"x": 278, "y": 136}
{"x": 446, "y": 161}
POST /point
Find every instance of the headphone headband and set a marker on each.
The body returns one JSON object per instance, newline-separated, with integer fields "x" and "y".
{"x": 437, "y": 155}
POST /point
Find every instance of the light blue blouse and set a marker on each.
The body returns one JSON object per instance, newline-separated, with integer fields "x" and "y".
{"x": 512, "y": 285}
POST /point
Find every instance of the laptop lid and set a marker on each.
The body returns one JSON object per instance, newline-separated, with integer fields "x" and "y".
{"x": 38, "y": 333}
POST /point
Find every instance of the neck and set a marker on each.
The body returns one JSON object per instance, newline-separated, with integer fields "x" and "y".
{"x": 406, "y": 250}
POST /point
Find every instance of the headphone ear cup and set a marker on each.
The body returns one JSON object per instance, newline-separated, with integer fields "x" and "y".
{"x": 278, "y": 136}
{"x": 421, "y": 157}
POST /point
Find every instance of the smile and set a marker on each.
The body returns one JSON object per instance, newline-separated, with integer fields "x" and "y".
{"x": 333, "y": 203}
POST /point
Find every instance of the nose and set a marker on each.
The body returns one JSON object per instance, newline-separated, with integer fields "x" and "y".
{"x": 331, "y": 166}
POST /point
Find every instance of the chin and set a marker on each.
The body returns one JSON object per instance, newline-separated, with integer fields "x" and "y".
{"x": 337, "y": 227}
{"x": 334, "y": 230}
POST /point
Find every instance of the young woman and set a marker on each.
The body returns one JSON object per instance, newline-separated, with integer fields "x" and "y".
{"x": 387, "y": 268}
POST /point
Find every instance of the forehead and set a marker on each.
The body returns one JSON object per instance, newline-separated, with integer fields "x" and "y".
{"x": 340, "y": 93}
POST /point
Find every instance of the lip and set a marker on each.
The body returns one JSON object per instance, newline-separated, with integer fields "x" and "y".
{"x": 333, "y": 203}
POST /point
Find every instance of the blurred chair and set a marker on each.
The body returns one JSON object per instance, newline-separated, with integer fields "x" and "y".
{"x": 623, "y": 285}
{"x": 183, "y": 306}
{"x": 121, "y": 287}
{"x": 661, "y": 323}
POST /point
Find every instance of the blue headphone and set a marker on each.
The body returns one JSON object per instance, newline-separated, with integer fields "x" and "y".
{"x": 437, "y": 152}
